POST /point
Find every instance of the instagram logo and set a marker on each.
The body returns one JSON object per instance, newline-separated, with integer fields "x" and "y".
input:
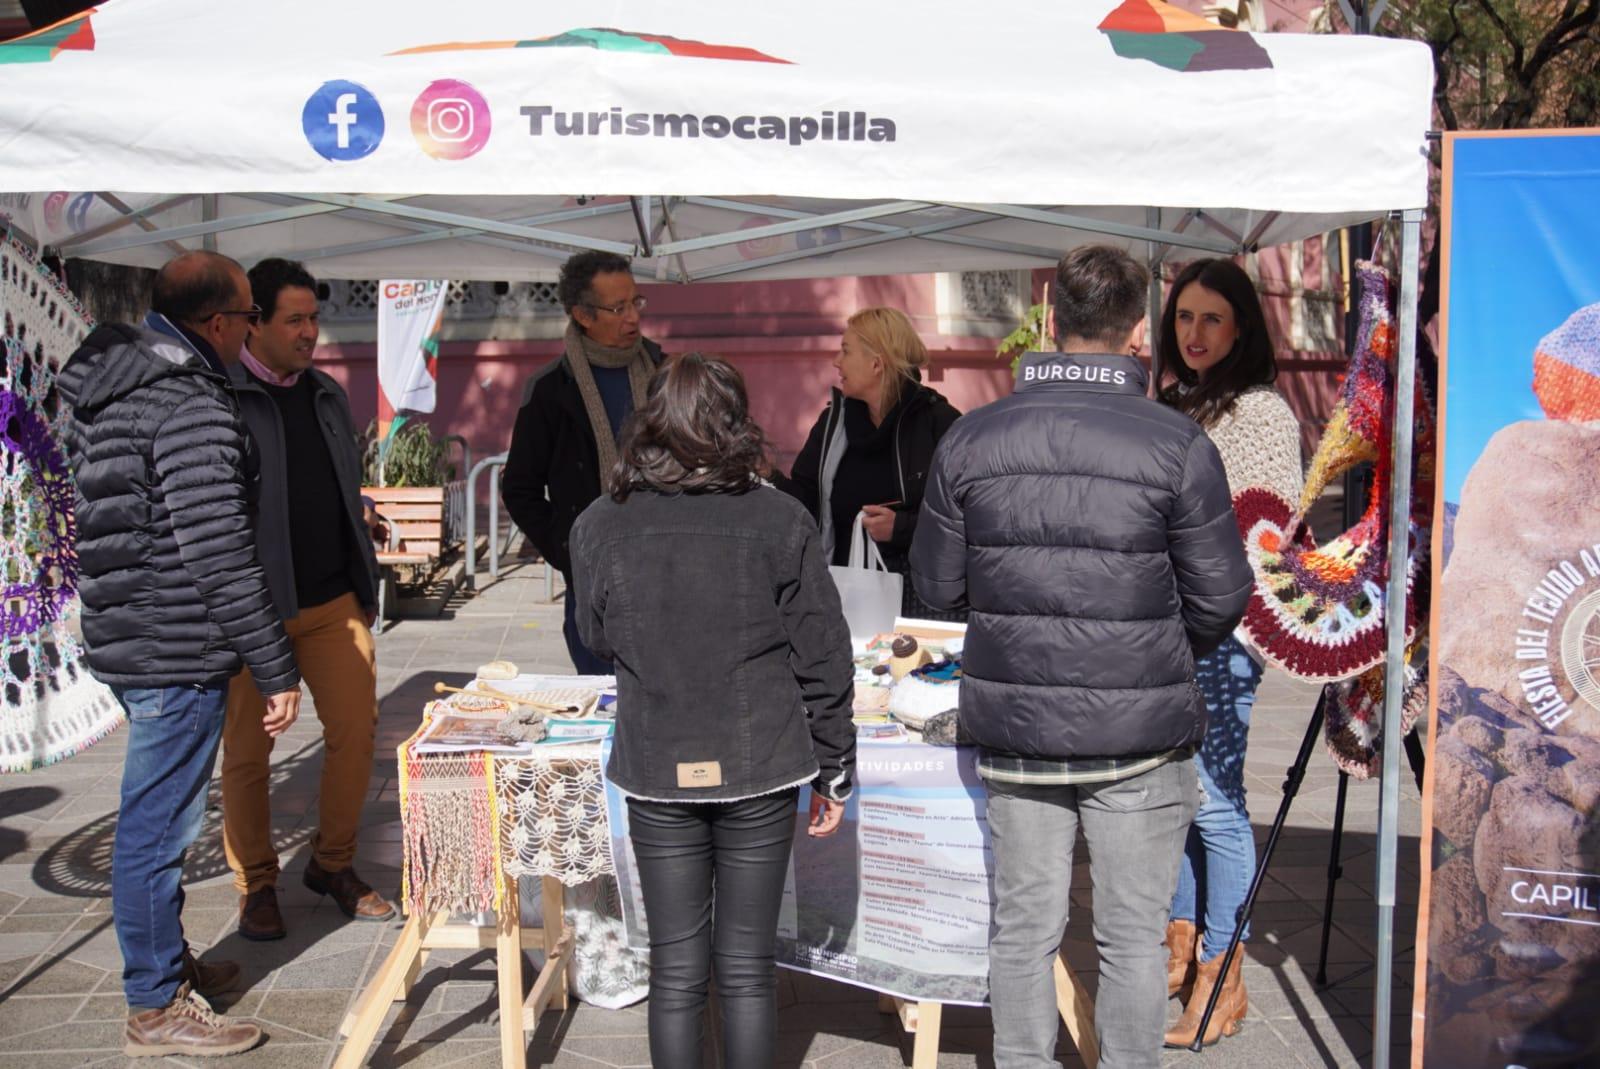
{"x": 450, "y": 120}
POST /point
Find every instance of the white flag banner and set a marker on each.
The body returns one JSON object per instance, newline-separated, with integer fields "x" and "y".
{"x": 409, "y": 313}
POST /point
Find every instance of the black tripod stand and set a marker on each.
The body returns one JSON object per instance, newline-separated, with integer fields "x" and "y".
{"x": 1291, "y": 787}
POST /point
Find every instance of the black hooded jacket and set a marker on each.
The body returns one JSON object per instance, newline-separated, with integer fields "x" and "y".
{"x": 901, "y": 449}
{"x": 1091, "y": 532}
{"x": 172, "y": 591}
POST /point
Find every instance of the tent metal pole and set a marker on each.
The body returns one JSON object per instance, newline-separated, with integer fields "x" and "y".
{"x": 484, "y": 226}
{"x": 736, "y": 237}
{"x": 1395, "y": 621}
{"x": 191, "y": 230}
{"x": 1106, "y": 226}
{"x": 141, "y": 216}
{"x": 1157, "y": 253}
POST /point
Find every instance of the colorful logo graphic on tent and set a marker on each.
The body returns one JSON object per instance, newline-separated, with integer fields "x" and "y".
{"x": 41, "y": 46}
{"x": 450, "y": 120}
{"x": 1173, "y": 38}
{"x": 342, "y": 121}
{"x": 611, "y": 41}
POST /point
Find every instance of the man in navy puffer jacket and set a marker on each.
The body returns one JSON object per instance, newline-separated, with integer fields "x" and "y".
{"x": 174, "y": 600}
{"x": 1090, "y": 532}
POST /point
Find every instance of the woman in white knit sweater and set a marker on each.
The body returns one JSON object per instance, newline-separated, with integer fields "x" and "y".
{"x": 1214, "y": 341}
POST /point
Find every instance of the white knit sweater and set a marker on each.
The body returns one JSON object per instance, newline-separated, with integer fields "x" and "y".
{"x": 1259, "y": 440}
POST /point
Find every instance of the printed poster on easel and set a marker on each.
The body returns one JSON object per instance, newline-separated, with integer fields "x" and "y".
{"x": 898, "y": 899}
{"x": 1510, "y": 971}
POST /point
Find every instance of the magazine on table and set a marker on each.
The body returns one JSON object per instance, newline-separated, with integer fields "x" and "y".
{"x": 448, "y": 733}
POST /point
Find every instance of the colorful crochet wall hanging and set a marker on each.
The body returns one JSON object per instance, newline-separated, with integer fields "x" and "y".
{"x": 1317, "y": 610}
{"x": 50, "y": 706}
{"x": 1353, "y": 728}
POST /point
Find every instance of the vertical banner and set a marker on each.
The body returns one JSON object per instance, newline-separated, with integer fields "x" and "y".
{"x": 1510, "y": 974}
{"x": 409, "y": 314}
{"x": 898, "y": 899}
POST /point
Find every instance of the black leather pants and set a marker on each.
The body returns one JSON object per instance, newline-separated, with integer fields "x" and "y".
{"x": 712, "y": 875}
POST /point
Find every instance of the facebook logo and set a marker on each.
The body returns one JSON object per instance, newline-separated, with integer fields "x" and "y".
{"x": 342, "y": 121}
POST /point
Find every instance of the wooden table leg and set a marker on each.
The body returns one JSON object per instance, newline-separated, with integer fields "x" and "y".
{"x": 550, "y": 987}
{"x": 374, "y": 1003}
{"x": 1077, "y": 1013}
{"x": 925, "y": 1048}
{"x": 508, "y": 975}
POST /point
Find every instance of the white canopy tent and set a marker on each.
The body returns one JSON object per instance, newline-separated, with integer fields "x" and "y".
{"x": 718, "y": 140}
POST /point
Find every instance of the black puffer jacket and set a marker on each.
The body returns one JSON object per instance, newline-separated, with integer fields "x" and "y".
{"x": 172, "y": 591}
{"x": 553, "y": 468}
{"x": 1091, "y": 532}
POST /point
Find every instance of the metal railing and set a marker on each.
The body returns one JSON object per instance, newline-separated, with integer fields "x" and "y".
{"x": 497, "y": 545}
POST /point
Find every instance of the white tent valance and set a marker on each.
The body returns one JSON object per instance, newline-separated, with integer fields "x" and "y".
{"x": 716, "y": 140}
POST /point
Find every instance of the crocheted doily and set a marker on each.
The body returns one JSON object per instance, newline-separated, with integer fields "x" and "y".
{"x": 1317, "y": 610}
{"x": 50, "y": 706}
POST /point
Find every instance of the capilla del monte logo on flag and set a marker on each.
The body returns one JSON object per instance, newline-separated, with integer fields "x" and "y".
{"x": 609, "y": 40}
{"x": 41, "y": 46}
{"x": 1174, "y": 38}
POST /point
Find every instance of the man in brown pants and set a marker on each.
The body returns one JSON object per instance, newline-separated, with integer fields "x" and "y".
{"x": 314, "y": 544}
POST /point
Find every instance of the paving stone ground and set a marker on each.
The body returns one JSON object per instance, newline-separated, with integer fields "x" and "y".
{"x": 60, "y": 990}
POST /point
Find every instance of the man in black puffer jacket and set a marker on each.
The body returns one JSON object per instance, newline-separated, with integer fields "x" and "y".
{"x": 174, "y": 600}
{"x": 1090, "y": 531}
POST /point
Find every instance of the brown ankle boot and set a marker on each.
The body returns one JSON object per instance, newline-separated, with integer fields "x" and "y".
{"x": 1181, "y": 936}
{"x": 186, "y": 1027}
{"x": 1231, "y": 1006}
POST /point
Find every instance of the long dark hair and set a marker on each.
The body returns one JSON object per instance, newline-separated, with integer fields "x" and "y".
{"x": 693, "y": 434}
{"x": 1249, "y": 363}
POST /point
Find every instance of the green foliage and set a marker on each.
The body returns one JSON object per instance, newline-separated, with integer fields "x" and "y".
{"x": 410, "y": 457}
{"x": 1027, "y": 338}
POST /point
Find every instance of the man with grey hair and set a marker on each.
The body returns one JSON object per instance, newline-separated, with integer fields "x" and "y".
{"x": 174, "y": 601}
{"x": 1089, "y": 531}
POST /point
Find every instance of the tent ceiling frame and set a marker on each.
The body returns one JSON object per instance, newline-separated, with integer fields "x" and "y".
{"x": 532, "y": 234}
{"x": 425, "y": 233}
{"x": 488, "y": 227}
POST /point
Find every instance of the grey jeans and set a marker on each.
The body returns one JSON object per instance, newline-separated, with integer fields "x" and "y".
{"x": 1135, "y": 829}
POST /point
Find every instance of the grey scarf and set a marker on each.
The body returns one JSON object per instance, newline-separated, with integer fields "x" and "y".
{"x": 583, "y": 355}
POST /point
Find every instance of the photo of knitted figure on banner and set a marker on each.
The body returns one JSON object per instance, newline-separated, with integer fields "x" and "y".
{"x": 52, "y": 707}
{"x": 1317, "y": 611}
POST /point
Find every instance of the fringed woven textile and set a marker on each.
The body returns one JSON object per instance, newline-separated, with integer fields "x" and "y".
{"x": 555, "y": 814}
{"x": 1317, "y": 609}
{"x": 50, "y": 706}
{"x": 450, "y": 828}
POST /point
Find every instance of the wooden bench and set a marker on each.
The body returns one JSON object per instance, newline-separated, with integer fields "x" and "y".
{"x": 415, "y": 515}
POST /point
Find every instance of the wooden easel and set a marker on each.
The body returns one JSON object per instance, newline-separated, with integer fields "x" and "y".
{"x": 508, "y": 939}
{"x": 922, "y": 1020}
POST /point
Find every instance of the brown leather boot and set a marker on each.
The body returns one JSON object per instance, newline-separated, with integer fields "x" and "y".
{"x": 210, "y": 978}
{"x": 353, "y": 895}
{"x": 260, "y": 919}
{"x": 186, "y": 1027}
{"x": 1181, "y": 937}
{"x": 1231, "y": 1006}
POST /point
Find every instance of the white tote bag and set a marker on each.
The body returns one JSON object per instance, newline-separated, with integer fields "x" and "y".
{"x": 869, "y": 591}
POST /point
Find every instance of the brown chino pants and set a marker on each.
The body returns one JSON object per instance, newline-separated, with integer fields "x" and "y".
{"x": 334, "y": 649}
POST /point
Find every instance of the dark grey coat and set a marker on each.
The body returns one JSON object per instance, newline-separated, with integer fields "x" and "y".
{"x": 1092, "y": 534}
{"x": 728, "y": 638}
{"x": 272, "y": 530}
{"x": 172, "y": 591}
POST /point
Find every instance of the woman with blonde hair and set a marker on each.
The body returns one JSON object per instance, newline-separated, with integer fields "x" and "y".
{"x": 871, "y": 449}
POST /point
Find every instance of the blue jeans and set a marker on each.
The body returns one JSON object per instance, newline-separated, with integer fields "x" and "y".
{"x": 1219, "y": 859}
{"x": 1134, "y": 828}
{"x": 584, "y": 660}
{"x": 172, "y": 744}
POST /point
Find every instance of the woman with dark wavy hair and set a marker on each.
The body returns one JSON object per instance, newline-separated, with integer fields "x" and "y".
{"x": 1214, "y": 341}
{"x": 734, "y": 684}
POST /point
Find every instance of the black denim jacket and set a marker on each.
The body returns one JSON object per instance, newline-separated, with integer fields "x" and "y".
{"x": 733, "y": 658}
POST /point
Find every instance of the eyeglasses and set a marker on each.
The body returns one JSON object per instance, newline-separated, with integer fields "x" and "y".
{"x": 621, "y": 308}
{"x": 251, "y": 316}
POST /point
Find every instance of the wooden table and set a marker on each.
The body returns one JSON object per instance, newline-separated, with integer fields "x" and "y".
{"x": 550, "y": 813}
